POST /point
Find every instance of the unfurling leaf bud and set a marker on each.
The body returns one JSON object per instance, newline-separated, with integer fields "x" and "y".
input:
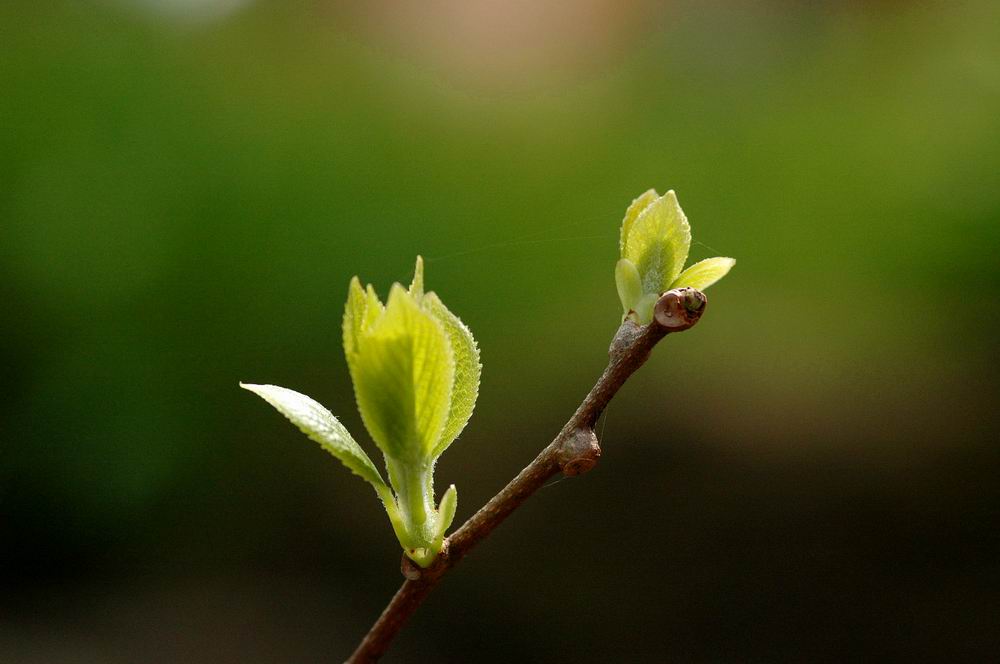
{"x": 415, "y": 368}
{"x": 655, "y": 240}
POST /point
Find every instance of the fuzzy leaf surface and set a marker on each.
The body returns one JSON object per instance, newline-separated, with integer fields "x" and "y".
{"x": 704, "y": 273}
{"x": 632, "y": 213}
{"x": 658, "y": 243}
{"x": 403, "y": 374}
{"x": 354, "y": 315}
{"x": 468, "y": 370}
{"x": 319, "y": 425}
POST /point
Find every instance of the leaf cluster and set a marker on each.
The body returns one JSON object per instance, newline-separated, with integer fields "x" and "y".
{"x": 415, "y": 368}
{"x": 654, "y": 245}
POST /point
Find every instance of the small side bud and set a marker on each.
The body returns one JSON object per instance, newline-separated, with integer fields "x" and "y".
{"x": 680, "y": 308}
{"x": 579, "y": 453}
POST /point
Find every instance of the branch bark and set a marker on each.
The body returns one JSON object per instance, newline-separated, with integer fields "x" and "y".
{"x": 573, "y": 451}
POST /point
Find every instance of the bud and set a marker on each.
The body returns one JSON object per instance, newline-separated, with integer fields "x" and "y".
{"x": 579, "y": 452}
{"x": 655, "y": 240}
{"x": 415, "y": 368}
{"x": 680, "y": 308}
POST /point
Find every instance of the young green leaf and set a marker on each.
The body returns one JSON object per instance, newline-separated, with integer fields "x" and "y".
{"x": 704, "y": 273}
{"x": 417, "y": 285}
{"x": 446, "y": 514}
{"x": 629, "y": 284}
{"x": 354, "y": 315}
{"x": 373, "y": 307}
{"x": 467, "y": 371}
{"x": 320, "y": 425}
{"x": 644, "y": 308}
{"x": 415, "y": 368}
{"x": 658, "y": 242}
{"x": 632, "y": 213}
{"x": 403, "y": 375}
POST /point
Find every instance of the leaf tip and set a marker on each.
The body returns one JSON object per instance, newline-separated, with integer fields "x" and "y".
{"x": 397, "y": 294}
{"x": 417, "y": 286}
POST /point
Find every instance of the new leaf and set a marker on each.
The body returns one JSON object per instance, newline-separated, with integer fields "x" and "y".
{"x": 403, "y": 370}
{"x": 319, "y": 425}
{"x": 655, "y": 241}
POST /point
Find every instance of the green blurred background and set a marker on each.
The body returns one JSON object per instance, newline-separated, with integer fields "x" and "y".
{"x": 186, "y": 187}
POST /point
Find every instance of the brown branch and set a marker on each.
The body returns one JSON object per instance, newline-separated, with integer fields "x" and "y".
{"x": 574, "y": 451}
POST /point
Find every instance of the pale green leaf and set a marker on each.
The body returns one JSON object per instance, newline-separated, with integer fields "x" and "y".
{"x": 658, "y": 243}
{"x": 644, "y": 308}
{"x": 629, "y": 284}
{"x": 417, "y": 286}
{"x": 403, "y": 376}
{"x": 704, "y": 273}
{"x": 354, "y": 315}
{"x": 467, "y": 371}
{"x": 632, "y": 213}
{"x": 373, "y": 307}
{"x": 446, "y": 514}
{"x": 320, "y": 425}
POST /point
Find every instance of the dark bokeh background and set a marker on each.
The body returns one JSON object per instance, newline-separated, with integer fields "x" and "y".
{"x": 186, "y": 187}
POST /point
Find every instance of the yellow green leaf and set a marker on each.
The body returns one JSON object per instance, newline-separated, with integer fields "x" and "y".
{"x": 629, "y": 284}
{"x": 354, "y": 315}
{"x": 320, "y": 425}
{"x": 658, "y": 243}
{"x": 467, "y": 371}
{"x": 373, "y": 307}
{"x": 403, "y": 374}
{"x": 644, "y": 308}
{"x": 704, "y": 273}
{"x": 632, "y": 213}
{"x": 417, "y": 286}
{"x": 445, "y": 515}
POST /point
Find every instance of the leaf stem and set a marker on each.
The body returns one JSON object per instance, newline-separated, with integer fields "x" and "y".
{"x": 573, "y": 451}
{"x": 392, "y": 509}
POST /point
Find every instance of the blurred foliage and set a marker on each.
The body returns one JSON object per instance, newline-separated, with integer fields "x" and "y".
{"x": 183, "y": 204}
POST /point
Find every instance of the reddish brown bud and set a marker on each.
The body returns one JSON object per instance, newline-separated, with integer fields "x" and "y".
{"x": 579, "y": 452}
{"x": 680, "y": 308}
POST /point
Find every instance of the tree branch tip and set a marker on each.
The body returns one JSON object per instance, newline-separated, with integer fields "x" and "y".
{"x": 679, "y": 309}
{"x": 575, "y": 451}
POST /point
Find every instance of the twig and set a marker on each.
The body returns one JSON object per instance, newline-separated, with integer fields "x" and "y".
{"x": 573, "y": 452}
